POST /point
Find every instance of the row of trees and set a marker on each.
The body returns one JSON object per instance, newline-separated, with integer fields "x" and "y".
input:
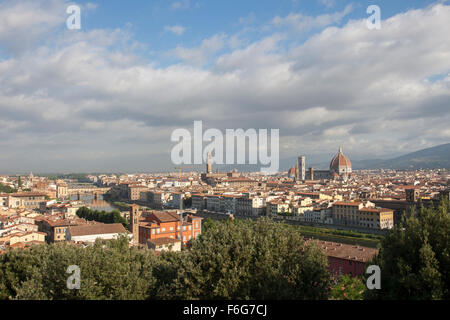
{"x": 231, "y": 260}
{"x": 102, "y": 216}
{"x": 235, "y": 260}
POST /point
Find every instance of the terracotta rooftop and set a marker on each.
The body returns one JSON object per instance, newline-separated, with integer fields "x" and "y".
{"x": 85, "y": 230}
{"x": 347, "y": 251}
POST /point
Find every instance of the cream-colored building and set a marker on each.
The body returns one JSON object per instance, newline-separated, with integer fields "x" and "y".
{"x": 164, "y": 244}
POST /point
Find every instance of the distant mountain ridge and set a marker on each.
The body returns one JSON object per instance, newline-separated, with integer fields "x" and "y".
{"x": 429, "y": 158}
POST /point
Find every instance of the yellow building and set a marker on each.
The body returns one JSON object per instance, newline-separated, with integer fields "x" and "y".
{"x": 376, "y": 218}
{"x": 277, "y": 207}
{"x": 354, "y": 214}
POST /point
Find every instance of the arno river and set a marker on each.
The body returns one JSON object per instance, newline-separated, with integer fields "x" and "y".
{"x": 95, "y": 204}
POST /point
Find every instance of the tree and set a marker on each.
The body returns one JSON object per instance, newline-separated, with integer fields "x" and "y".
{"x": 231, "y": 260}
{"x": 6, "y": 189}
{"x": 414, "y": 257}
{"x": 109, "y": 270}
{"x": 102, "y": 216}
{"x": 348, "y": 288}
{"x": 252, "y": 260}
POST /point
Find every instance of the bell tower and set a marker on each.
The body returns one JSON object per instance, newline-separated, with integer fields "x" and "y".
{"x": 135, "y": 214}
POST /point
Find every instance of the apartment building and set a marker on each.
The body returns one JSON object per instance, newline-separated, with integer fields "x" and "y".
{"x": 277, "y": 207}
{"x": 376, "y": 218}
{"x": 22, "y": 237}
{"x": 134, "y": 192}
{"x": 164, "y": 244}
{"x": 55, "y": 226}
{"x": 62, "y": 190}
{"x": 301, "y": 210}
{"x": 175, "y": 199}
{"x": 214, "y": 203}
{"x": 166, "y": 224}
{"x": 198, "y": 201}
{"x": 250, "y": 206}
{"x": 229, "y": 203}
{"x": 346, "y": 213}
{"x": 355, "y": 214}
{"x": 29, "y": 200}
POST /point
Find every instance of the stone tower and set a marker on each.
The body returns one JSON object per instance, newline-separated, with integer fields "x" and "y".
{"x": 302, "y": 168}
{"x": 209, "y": 163}
{"x": 135, "y": 214}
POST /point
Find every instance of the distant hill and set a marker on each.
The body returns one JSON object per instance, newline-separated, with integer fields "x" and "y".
{"x": 430, "y": 158}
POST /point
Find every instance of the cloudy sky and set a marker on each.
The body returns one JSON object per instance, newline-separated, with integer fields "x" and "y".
{"x": 108, "y": 96}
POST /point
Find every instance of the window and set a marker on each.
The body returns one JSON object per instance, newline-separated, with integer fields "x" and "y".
{"x": 153, "y": 231}
{"x": 163, "y": 229}
{"x": 171, "y": 228}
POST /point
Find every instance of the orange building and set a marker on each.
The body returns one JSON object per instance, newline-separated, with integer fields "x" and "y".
{"x": 166, "y": 224}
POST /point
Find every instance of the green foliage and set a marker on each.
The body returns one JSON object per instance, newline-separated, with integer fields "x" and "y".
{"x": 230, "y": 260}
{"x": 109, "y": 270}
{"x": 244, "y": 259}
{"x": 415, "y": 257}
{"x": 6, "y": 189}
{"x": 208, "y": 224}
{"x": 348, "y": 288}
{"x": 102, "y": 216}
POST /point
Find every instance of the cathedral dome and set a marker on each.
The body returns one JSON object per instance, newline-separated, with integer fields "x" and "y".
{"x": 340, "y": 164}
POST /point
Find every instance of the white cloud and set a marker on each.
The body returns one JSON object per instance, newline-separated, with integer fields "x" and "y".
{"x": 23, "y": 23}
{"x": 200, "y": 55}
{"x": 303, "y": 23}
{"x": 327, "y": 3}
{"x": 181, "y": 5}
{"x": 178, "y": 30}
{"x": 90, "y": 103}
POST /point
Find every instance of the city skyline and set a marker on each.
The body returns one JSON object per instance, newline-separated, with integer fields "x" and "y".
{"x": 108, "y": 96}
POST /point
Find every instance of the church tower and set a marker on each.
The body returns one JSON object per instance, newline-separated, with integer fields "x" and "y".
{"x": 135, "y": 214}
{"x": 209, "y": 163}
{"x": 302, "y": 168}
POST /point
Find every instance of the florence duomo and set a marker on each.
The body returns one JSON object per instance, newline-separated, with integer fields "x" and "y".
{"x": 340, "y": 169}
